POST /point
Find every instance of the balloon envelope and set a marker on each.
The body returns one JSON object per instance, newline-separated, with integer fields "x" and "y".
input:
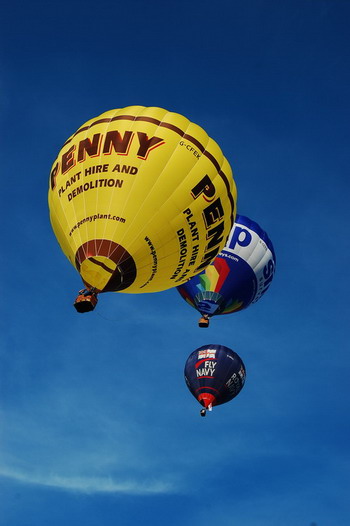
{"x": 140, "y": 200}
{"x": 214, "y": 374}
{"x": 238, "y": 276}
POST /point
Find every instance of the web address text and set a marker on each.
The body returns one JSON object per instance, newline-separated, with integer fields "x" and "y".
{"x": 94, "y": 217}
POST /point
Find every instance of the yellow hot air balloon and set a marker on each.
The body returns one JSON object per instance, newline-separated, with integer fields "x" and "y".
{"x": 140, "y": 199}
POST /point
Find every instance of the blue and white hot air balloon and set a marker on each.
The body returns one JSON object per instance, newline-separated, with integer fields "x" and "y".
{"x": 239, "y": 275}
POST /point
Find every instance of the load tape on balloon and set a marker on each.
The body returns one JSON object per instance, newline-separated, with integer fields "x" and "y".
{"x": 140, "y": 200}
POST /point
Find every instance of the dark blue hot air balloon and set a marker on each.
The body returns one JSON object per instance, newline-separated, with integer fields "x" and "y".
{"x": 214, "y": 374}
{"x": 237, "y": 277}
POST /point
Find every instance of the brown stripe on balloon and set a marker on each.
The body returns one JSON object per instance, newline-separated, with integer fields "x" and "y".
{"x": 224, "y": 178}
{"x": 100, "y": 264}
{"x": 84, "y": 128}
{"x": 172, "y": 127}
{"x": 117, "y": 258}
{"x": 85, "y": 251}
{"x": 151, "y": 120}
{"x": 157, "y": 122}
{"x": 99, "y": 243}
{"x": 122, "y": 276}
{"x": 196, "y": 142}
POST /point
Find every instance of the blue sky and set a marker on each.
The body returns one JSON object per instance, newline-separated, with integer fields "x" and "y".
{"x": 97, "y": 425}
